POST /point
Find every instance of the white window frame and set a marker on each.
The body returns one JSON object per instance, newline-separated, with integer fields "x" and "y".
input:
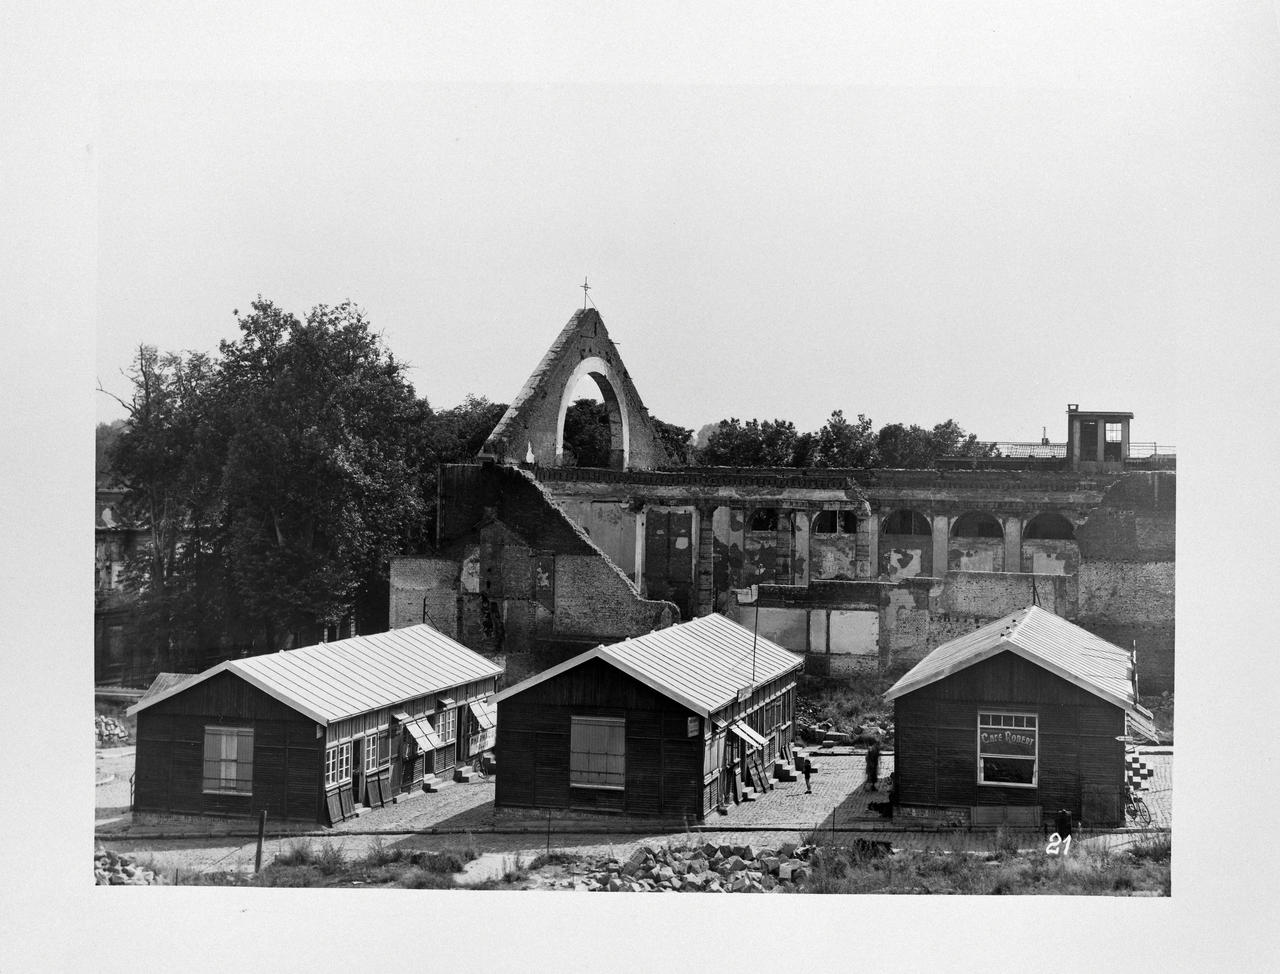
{"x": 337, "y": 764}
{"x": 608, "y": 779}
{"x": 236, "y": 784}
{"x": 371, "y": 754}
{"x": 995, "y": 719}
{"x": 445, "y": 724}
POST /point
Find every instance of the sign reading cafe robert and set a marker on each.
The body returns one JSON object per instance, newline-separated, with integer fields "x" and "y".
{"x": 1007, "y": 749}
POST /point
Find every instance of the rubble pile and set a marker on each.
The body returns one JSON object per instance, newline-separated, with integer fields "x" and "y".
{"x": 110, "y": 731}
{"x": 112, "y": 869}
{"x": 705, "y": 869}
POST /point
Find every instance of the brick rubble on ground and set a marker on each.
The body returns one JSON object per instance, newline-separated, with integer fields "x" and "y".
{"x": 110, "y": 731}
{"x": 706, "y": 868}
{"x": 112, "y": 869}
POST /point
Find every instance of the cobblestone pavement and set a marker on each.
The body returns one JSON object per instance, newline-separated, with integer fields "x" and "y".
{"x": 838, "y": 799}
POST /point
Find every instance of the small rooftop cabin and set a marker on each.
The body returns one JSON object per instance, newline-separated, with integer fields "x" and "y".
{"x": 308, "y": 734}
{"x": 1011, "y": 723}
{"x": 1097, "y": 439}
{"x": 674, "y": 723}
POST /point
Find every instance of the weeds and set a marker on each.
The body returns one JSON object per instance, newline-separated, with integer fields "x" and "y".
{"x": 1154, "y": 848}
{"x": 415, "y": 877}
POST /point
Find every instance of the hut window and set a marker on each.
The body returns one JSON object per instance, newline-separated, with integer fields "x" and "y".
{"x": 1008, "y": 749}
{"x": 228, "y": 760}
{"x": 446, "y": 725}
{"x": 337, "y": 763}
{"x": 371, "y": 751}
{"x": 597, "y": 752}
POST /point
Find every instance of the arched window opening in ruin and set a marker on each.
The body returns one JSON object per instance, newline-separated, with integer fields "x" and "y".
{"x": 592, "y": 429}
{"x": 834, "y": 522}
{"x": 764, "y": 519}
{"x": 1049, "y": 527}
{"x": 976, "y": 525}
{"x": 906, "y": 522}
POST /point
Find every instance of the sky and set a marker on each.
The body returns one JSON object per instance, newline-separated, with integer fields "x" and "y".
{"x": 985, "y": 235}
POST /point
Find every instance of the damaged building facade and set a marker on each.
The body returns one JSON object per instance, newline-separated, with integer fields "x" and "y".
{"x": 857, "y": 569}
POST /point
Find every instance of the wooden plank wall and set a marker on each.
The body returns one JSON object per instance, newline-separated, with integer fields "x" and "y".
{"x": 935, "y": 758}
{"x": 287, "y": 757}
{"x": 663, "y": 764}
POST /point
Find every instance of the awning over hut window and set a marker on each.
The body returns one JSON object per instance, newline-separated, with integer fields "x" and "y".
{"x": 1142, "y": 726}
{"x": 486, "y": 713}
{"x": 747, "y": 735}
{"x": 423, "y": 735}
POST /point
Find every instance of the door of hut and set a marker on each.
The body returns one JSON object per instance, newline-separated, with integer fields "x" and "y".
{"x": 357, "y": 770}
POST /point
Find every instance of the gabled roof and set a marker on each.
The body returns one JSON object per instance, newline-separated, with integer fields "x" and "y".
{"x": 164, "y": 682}
{"x": 1042, "y": 638}
{"x": 335, "y": 680}
{"x": 701, "y": 664}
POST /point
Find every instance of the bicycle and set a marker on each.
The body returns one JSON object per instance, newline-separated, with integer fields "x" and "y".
{"x": 1135, "y": 808}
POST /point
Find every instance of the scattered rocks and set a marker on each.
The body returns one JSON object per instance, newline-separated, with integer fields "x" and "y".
{"x": 112, "y": 869}
{"x": 110, "y": 731}
{"x": 704, "y": 869}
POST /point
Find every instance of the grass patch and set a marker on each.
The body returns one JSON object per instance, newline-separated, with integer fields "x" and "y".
{"x": 553, "y": 859}
{"x": 416, "y": 877}
{"x": 846, "y": 870}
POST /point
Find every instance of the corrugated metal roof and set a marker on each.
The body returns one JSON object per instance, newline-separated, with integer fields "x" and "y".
{"x": 163, "y": 682}
{"x": 1039, "y": 636}
{"x": 335, "y": 680}
{"x": 702, "y": 664}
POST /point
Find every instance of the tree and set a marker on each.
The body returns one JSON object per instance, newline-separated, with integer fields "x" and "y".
{"x": 751, "y": 444}
{"x": 677, "y": 439}
{"x": 915, "y": 447}
{"x": 587, "y": 441}
{"x": 319, "y": 481}
{"x": 167, "y": 456}
{"x": 950, "y": 440}
{"x": 844, "y": 444}
{"x": 105, "y": 437}
{"x": 452, "y": 435}
{"x": 276, "y": 481}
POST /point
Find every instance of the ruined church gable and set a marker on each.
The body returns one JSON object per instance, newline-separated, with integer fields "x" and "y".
{"x": 532, "y": 428}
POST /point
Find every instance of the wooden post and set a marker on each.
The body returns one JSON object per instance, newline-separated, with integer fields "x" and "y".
{"x": 262, "y": 828}
{"x": 548, "y": 831}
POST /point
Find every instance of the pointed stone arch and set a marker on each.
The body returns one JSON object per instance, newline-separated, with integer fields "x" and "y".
{"x": 614, "y": 404}
{"x": 532, "y": 428}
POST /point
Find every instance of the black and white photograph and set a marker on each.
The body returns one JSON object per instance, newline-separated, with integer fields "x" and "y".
{"x": 729, "y": 451}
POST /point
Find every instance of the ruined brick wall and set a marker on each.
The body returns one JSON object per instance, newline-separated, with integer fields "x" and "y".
{"x": 611, "y": 525}
{"x": 1119, "y": 593}
{"x": 593, "y": 598}
{"x": 993, "y": 594}
{"x": 1136, "y": 520}
{"x": 532, "y": 420}
{"x": 521, "y": 573}
{"x": 1050, "y": 557}
{"x": 433, "y": 579}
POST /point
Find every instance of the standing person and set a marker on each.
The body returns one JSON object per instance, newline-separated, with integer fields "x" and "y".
{"x": 807, "y": 768}
{"x": 873, "y": 765}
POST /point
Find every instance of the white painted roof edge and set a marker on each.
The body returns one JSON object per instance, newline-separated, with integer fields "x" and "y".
{"x": 902, "y": 687}
{"x": 548, "y": 674}
{"x": 278, "y": 694}
{"x": 186, "y": 685}
{"x": 602, "y": 652}
{"x": 906, "y": 684}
